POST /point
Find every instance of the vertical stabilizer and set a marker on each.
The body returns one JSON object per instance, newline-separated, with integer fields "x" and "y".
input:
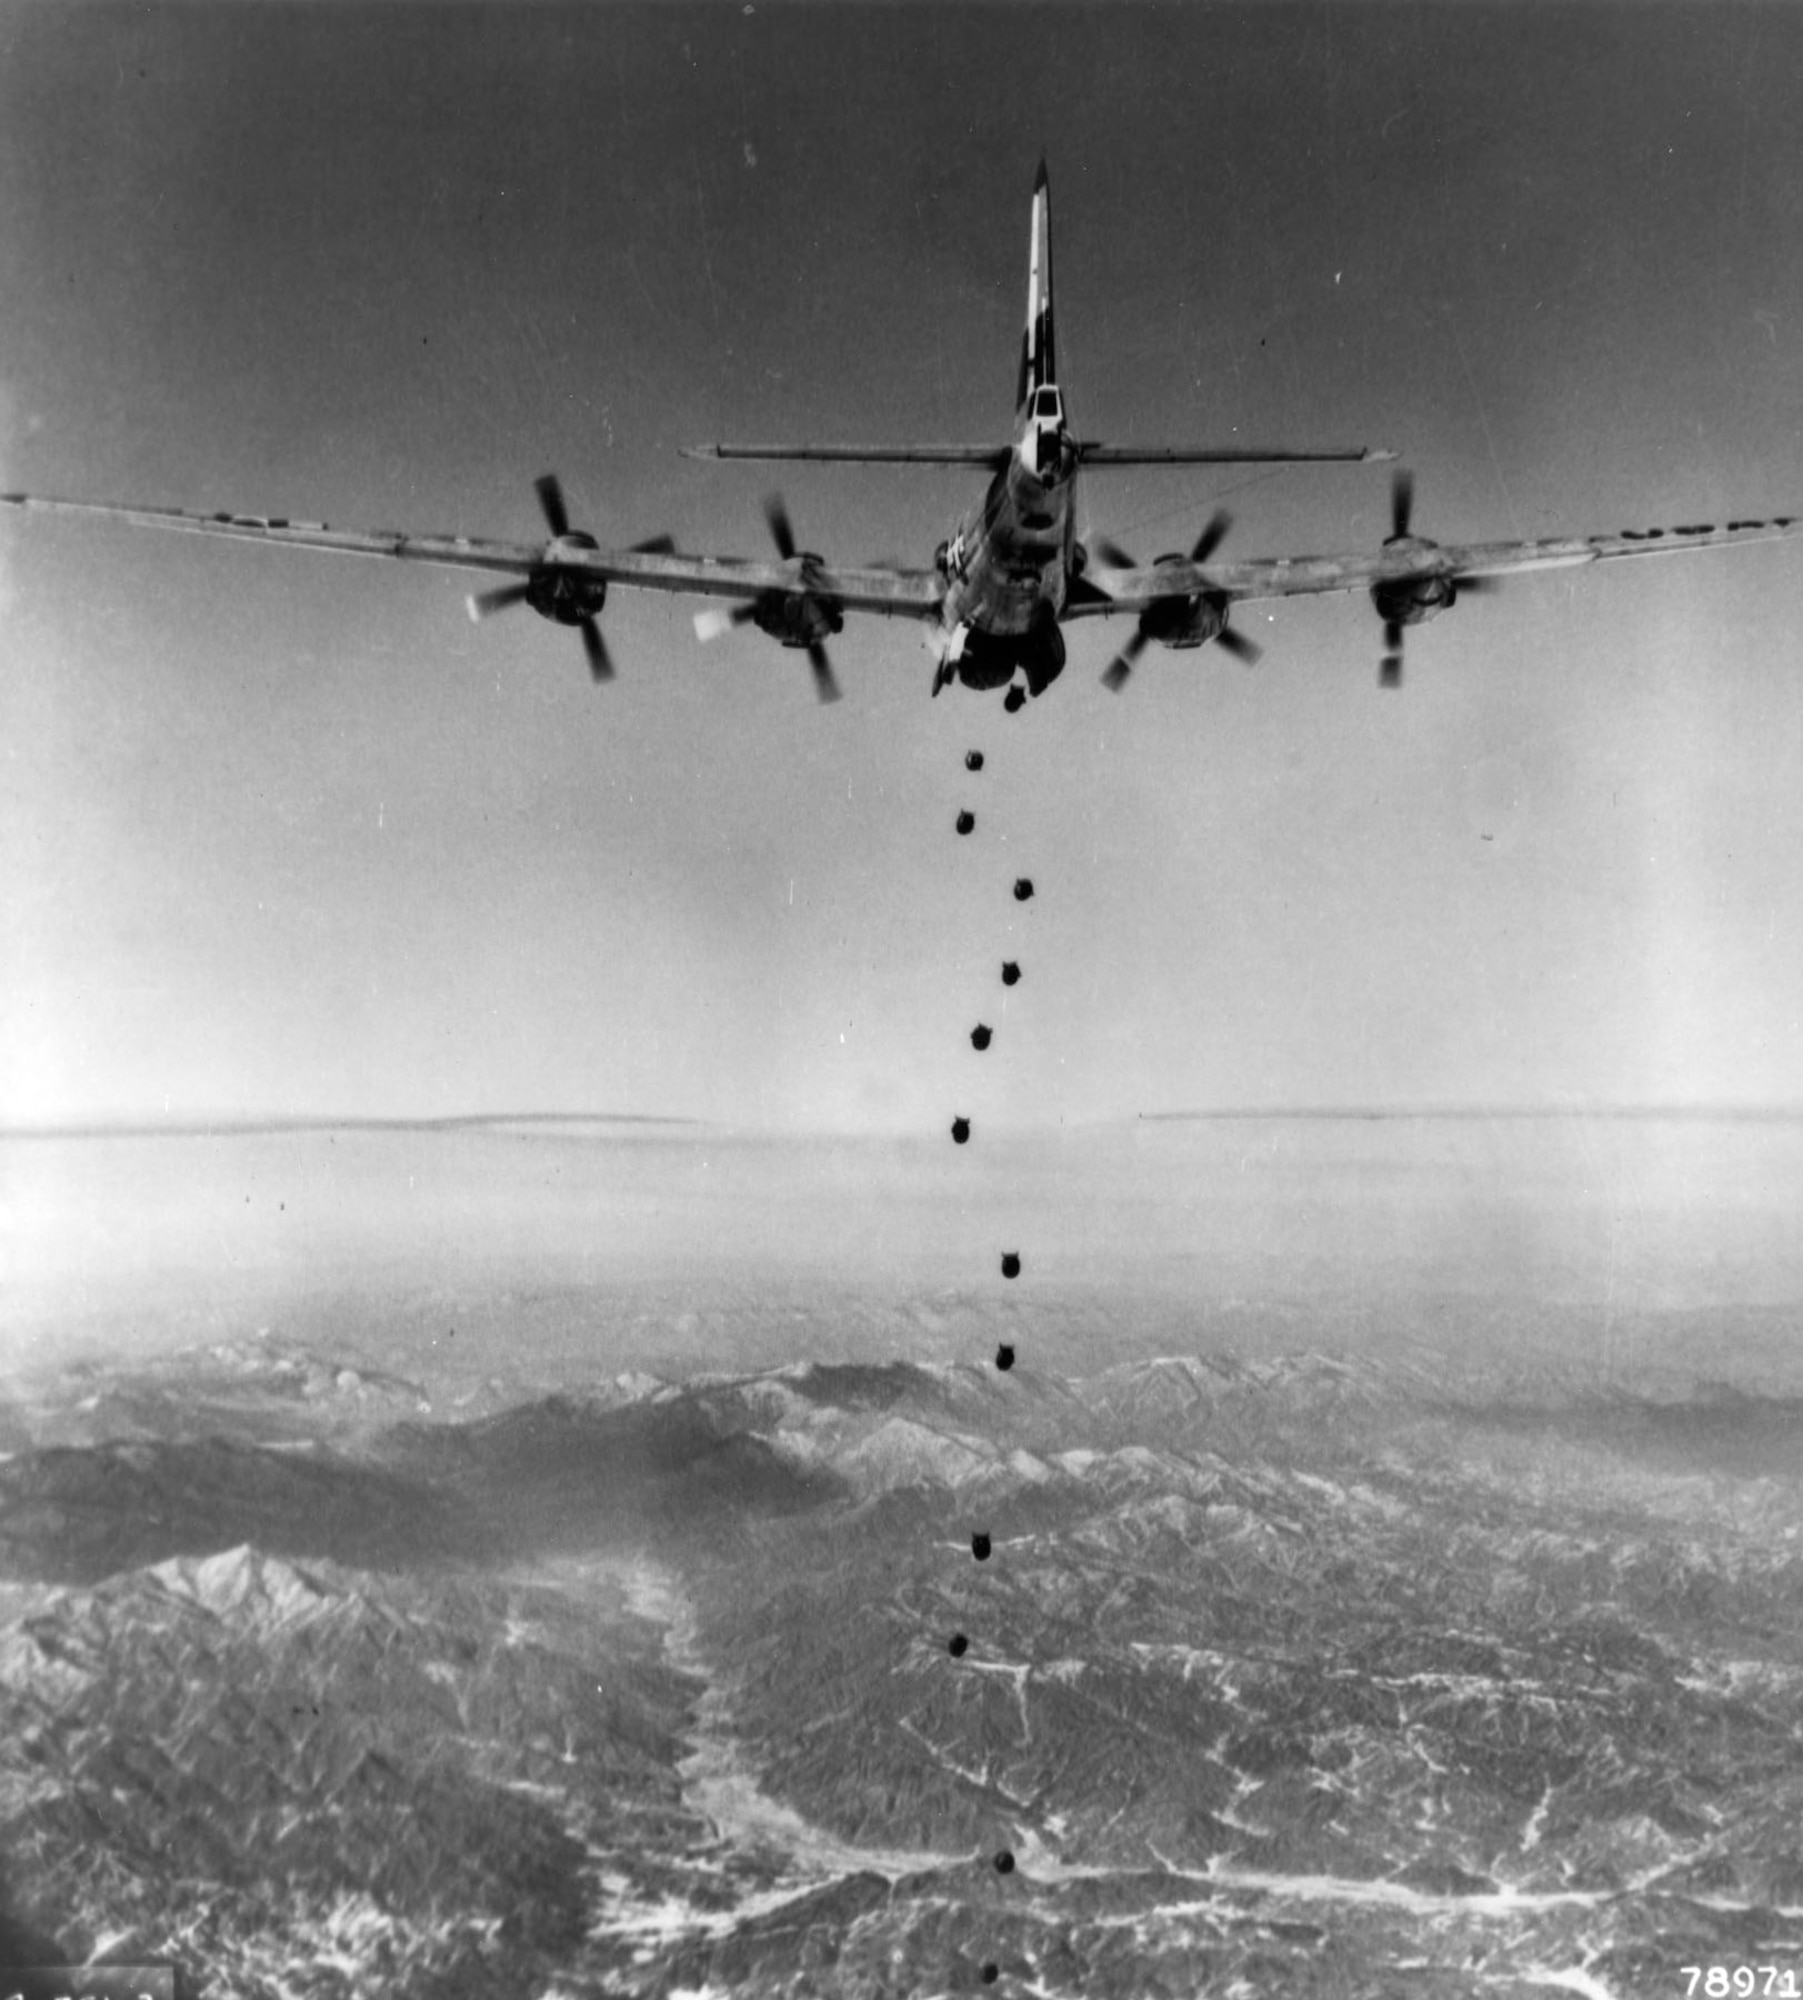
{"x": 1038, "y": 365}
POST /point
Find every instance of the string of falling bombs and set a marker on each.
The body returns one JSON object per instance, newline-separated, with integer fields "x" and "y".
{"x": 980, "y": 1037}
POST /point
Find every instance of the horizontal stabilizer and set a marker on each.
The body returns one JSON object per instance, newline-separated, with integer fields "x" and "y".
{"x": 1092, "y": 453}
{"x": 996, "y": 456}
{"x": 858, "y": 454}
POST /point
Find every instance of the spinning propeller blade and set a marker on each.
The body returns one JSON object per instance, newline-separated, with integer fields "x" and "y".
{"x": 826, "y": 684}
{"x": 1206, "y": 543}
{"x": 1210, "y": 538}
{"x": 719, "y": 619}
{"x": 1115, "y": 678}
{"x": 484, "y": 604}
{"x": 1389, "y": 674}
{"x": 780, "y": 530}
{"x": 600, "y": 667}
{"x": 550, "y": 498}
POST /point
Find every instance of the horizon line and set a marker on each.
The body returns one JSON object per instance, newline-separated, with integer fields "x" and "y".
{"x": 1772, "y": 1114}
{"x": 246, "y": 1124}
{"x": 201, "y": 1125}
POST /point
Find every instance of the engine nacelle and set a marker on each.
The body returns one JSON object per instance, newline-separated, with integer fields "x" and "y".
{"x": 1183, "y": 622}
{"x": 565, "y": 596}
{"x": 798, "y": 617}
{"x": 1414, "y": 600}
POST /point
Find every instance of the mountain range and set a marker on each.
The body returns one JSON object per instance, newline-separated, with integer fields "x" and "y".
{"x": 1321, "y": 1673}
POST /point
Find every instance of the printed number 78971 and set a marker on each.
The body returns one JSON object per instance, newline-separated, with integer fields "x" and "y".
{"x": 1717, "y": 1982}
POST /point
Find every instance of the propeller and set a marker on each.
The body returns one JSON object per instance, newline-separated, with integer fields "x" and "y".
{"x": 782, "y": 532}
{"x": 558, "y": 593}
{"x": 1446, "y": 588}
{"x": 557, "y": 519}
{"x": 1213, "y": 534}
{"x": 768, "y": 607}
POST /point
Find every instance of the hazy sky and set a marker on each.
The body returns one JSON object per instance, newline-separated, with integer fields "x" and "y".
{"x": 283, "y": 832}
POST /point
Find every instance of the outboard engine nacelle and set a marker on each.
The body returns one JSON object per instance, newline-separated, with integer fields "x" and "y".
{"x": 1413, "y": 600}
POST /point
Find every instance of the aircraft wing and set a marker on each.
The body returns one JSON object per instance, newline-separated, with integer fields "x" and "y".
{"x": 887, "y": 593}
{"x": 907, "y": 593}
{"x": 1138, "y": 588}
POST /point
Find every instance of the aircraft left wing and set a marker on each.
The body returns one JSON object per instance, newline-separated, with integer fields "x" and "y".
{"x": 655, "y": 566}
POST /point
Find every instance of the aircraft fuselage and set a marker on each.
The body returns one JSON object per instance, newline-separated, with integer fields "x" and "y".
{"x": 1009, "y": 562}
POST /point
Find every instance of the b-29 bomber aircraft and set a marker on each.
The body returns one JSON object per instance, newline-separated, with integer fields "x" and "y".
{"x": 1007, "y": 579}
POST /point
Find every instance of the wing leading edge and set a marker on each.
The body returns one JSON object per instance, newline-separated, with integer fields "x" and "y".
{"x": 885, "y": 592}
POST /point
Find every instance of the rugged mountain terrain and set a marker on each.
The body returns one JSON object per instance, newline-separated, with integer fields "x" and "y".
{"x": 1317, "y": 1674}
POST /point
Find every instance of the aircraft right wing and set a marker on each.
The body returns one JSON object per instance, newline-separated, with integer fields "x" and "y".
{"x": 1185, "y": 600}
{"x": 1411, "y": 562}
